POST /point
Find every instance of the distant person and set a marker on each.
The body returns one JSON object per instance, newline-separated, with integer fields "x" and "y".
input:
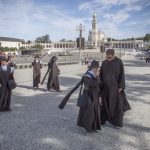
{"x": 147, "y": 59}
{"x": 82, "y": 61}
{"x": 86, "y": 61}
{"x": 11, "y": 63}
{"x": 7, "y": 83}
{"x": 37, "y": 66}
{"x": 114, "y": 102}
{"x": 53, "y": 78}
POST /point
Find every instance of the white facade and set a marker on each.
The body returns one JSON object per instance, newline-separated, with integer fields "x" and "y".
{"x": 17, "y": 43}
{"x": 53, "y": 45}
{"x": 10, "y": 44}
{"x": 135, "y": 44}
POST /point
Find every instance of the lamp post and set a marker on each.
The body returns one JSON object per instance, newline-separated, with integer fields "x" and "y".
{"x": 120, "y": 48}
{"x": 80, "y": 28}
{"x": 102, "y": 48}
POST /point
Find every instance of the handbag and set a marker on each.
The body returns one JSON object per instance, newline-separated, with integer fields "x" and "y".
{"x": 83, "y": 99}
{"x": 11, "y": 84}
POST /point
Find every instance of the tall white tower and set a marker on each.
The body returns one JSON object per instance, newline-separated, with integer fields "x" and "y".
{"x": 94, "y": 30}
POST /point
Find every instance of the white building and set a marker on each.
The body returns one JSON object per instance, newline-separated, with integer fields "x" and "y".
{"x": 18, "y": 43}
{"x": 95, "y": 36}
{"x": 56, "y": 46}
{"x": 10, "y": 42}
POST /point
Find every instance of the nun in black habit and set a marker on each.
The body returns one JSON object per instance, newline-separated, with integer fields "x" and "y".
{"x": 37, "y": 66}
{"x": 53, "y": 78}
{"x": 6, "y": 74}
{"x": 88, "y": 117}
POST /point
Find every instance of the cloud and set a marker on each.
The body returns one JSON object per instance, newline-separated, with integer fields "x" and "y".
{"x": 132, "y": 23}
{"x": 98, "y": 4}
{"x": 125, "y": 8}
{"x": 117, "y": 18}
{"x": 114, "y": 13}
{"x": 30, "y": 20}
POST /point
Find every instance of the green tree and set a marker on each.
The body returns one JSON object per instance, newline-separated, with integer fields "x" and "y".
{"x": 37, "y": 46}
{"x": 63, "y": 40}
{"x": 23, "y": 41}
{"x": 28, "y": 42}
{"x": 43, "y": 39}
{"x": 22, "y": 47}
{"x": 147, "y": 37}
{"x": 108, "y": 39}
{"x": 5, "y": 49}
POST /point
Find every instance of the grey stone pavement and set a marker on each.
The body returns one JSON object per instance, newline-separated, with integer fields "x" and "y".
{"x": 36, "y": 123}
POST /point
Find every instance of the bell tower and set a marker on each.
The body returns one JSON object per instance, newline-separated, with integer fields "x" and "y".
{"x": 94, "y": 30}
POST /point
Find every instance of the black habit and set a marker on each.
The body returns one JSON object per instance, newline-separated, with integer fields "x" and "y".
{"x": 53, "y": 78}
{"x": 37, "y": 66}
{"x": 5, "y": 92}
{"x": 114, "y": 104}
{"x": 89, "y": 118}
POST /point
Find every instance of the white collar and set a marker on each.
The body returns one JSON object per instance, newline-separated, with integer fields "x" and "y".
{"x": 91, "y": 72}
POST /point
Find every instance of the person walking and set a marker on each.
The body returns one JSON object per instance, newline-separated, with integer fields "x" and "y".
{"x": 114, "y": 102}
{"x": 7, "y": 83}
{"x": 89, "y": 117}
{"x": 37, "y": 66}
{"x": 53, "y": 78}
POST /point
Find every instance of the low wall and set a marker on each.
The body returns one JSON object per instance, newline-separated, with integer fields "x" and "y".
{"x": 27, "y": 65}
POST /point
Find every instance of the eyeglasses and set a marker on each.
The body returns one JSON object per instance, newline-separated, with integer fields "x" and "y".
{"x": 108, "y": 57}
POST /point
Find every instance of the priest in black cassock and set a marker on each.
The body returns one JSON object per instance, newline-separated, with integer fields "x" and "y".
{"x": 5, "y": 93}
{"x": 37, "y": 66}
{"x": 114, "y": 102}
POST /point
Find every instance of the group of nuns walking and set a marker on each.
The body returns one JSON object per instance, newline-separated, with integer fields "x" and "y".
{"x": 7, "y": 81}
{"x": 103, "y": 97}
{"x": 53, "y": 73}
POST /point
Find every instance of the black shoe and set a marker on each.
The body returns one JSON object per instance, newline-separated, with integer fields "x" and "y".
{"x": 103, "y": 122}
{"x": 91, "y": 131}
{"x": 8, "y": 109}
{"x": 58, "y": 91}
{"x": 2, "y": 109}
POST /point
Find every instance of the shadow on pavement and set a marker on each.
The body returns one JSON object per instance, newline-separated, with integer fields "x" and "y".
{"x": 30, "y": 87}
{"x": 37, "y": 123}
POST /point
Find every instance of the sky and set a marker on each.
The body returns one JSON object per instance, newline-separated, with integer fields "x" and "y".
{"x": 29, "y": 19}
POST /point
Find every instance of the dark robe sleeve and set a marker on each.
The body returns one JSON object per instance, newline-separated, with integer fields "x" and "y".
{"x": 41, "y": 65}
{"x": 121, "y": 79}
{"x": 101, "y": 72}
{"x": 101, "y": 78}
{"x": 90, "y": 84}
{"x": 33, "y": 63}
{"x": 87, "y": 82}
{"x": 66, "y": 98}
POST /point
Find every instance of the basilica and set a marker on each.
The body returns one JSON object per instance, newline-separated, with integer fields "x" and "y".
{"x": 96, "y": 37}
